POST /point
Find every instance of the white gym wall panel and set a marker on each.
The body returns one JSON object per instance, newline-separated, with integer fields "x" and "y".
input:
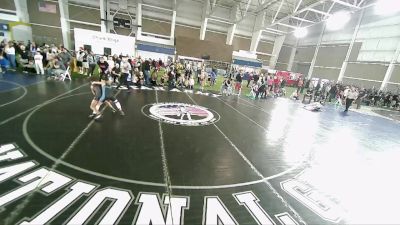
{"x": 362, "y": 83}
{"x": 284, "y": 54}
{"x": 396, "y": 75}
{"x": 84, "y": 14}
{"x": 326, "y": 73}
{"x": 304, "y": 54}
{"x": 331, "y": 55}
{"x": 119, "y": 44}
{"x": 366, "y": 71}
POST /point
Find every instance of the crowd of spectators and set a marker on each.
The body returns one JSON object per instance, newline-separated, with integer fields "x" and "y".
{"x": 269, "y": 85}
{"x": 337, "y": 92}
{"x": 52, "y": 60}
{"x": 45, "y": 59}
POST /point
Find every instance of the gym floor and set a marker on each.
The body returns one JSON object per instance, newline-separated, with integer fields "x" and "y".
{"x": 252, "y": 162}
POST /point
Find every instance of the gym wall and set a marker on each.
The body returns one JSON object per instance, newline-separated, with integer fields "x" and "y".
{"x": 156, "y": 27}
{"x": 264, "y": 47}
{"x": 330, "y": 59}
{"x": 394, "y": 81}
{"x": 362, "y": 83}
{"x": 373, "y": 49}
{"x": 283, "y": 58}
{"x": 304, "y": 55}
{"x": 396, "y": 75}
{"x": 8, "y": 4}
{"x": 45, "y": 34}
{"x": 84, "y": 15}
{"x": 189, "y": 44}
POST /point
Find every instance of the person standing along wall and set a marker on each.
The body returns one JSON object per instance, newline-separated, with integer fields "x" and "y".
{"x": 213, "y": 76}
{"x": 65, "y": 57}
{"x": 38, "y": 62}
{"x": 361, "y": 95}
{"x": 125, "y": 68}
{"x": 10, "y": 53}
{"x": 238, "y": 84}
{"x": 146, "y": 72}
{"x": 92, "y": 63}
{"x": 350, "y": 94}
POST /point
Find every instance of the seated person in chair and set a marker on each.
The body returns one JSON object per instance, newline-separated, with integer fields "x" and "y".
{"x": 25, "y": 61}
{"x": 57, "y": 68}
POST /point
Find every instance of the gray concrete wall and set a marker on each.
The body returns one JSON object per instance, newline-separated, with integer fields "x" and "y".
{"x": 366, "y": 71}
{"x": 7, "y": 4}
{"x": 331, "y": 56}
{"x": 301, "y": 68}
{"x": 396, "y": 75}
{"x": 42, "y": 34}
{"x": 84, "y": 14}
{"x": 156, "y": 27}
{"x": 326, "y": 73}
{"x": 362, "y": 83}
{"x": 304, "y": 54}
{"x": 284, "y": 55}
{"x": 189, "y": 44}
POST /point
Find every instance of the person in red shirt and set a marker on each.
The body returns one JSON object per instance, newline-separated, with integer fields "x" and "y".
{"x": 276, "y": 84}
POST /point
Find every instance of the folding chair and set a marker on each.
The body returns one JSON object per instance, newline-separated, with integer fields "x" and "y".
{"x": 66, "y": 75}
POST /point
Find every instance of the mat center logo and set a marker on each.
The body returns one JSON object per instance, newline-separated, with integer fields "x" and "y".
{"x": 181, "y": 114}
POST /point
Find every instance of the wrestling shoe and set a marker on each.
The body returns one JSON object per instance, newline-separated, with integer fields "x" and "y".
{"x": 122, "y": 113}
{"x": 98, "y": 117}
{"x": 91, "y": 116}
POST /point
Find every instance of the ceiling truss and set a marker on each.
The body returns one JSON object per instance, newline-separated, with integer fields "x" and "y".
{"x": 306, "y": 15}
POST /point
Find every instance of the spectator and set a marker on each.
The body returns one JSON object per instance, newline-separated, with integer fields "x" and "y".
{"x": 65, "y": 57}
{"x": 38, "y": 62}
{"x": 146, "y": 72}
{"x": 238, "y": 84}
{"x": 213, "y": 76}
{"x": 10, "y": 52}
{"x": 4, "y": 64}
{"x": 350, "y": 95}
{"x": 79, "y": 60}
{"x": 92, "y": 63}
{"x": 116, "y": 73}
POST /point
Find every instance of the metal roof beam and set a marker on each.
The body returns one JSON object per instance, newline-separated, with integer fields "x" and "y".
{"x": 287, "y": 25}
{"x": 298, "y": 6}
{"x": 319, "y": 11}
{"x": 301, "y": 19}
{"x": 277, "y": 12}
{"x": 346, "y": 4}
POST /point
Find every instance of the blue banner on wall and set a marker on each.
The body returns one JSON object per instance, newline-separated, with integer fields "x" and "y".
{"x": 157, "y": 49}
{"x": 247, "y": 63}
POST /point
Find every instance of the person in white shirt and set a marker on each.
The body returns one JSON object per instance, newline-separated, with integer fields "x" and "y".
{"x": 79, "y": 60}
{"x": 111, "y": 63}
{"x": 125, "y": 67}
{"x": 10, "y": 52}
{"x": 191, "y": 83}
{"x": 350, "y": 94}
{"x": 38, "y": 62}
